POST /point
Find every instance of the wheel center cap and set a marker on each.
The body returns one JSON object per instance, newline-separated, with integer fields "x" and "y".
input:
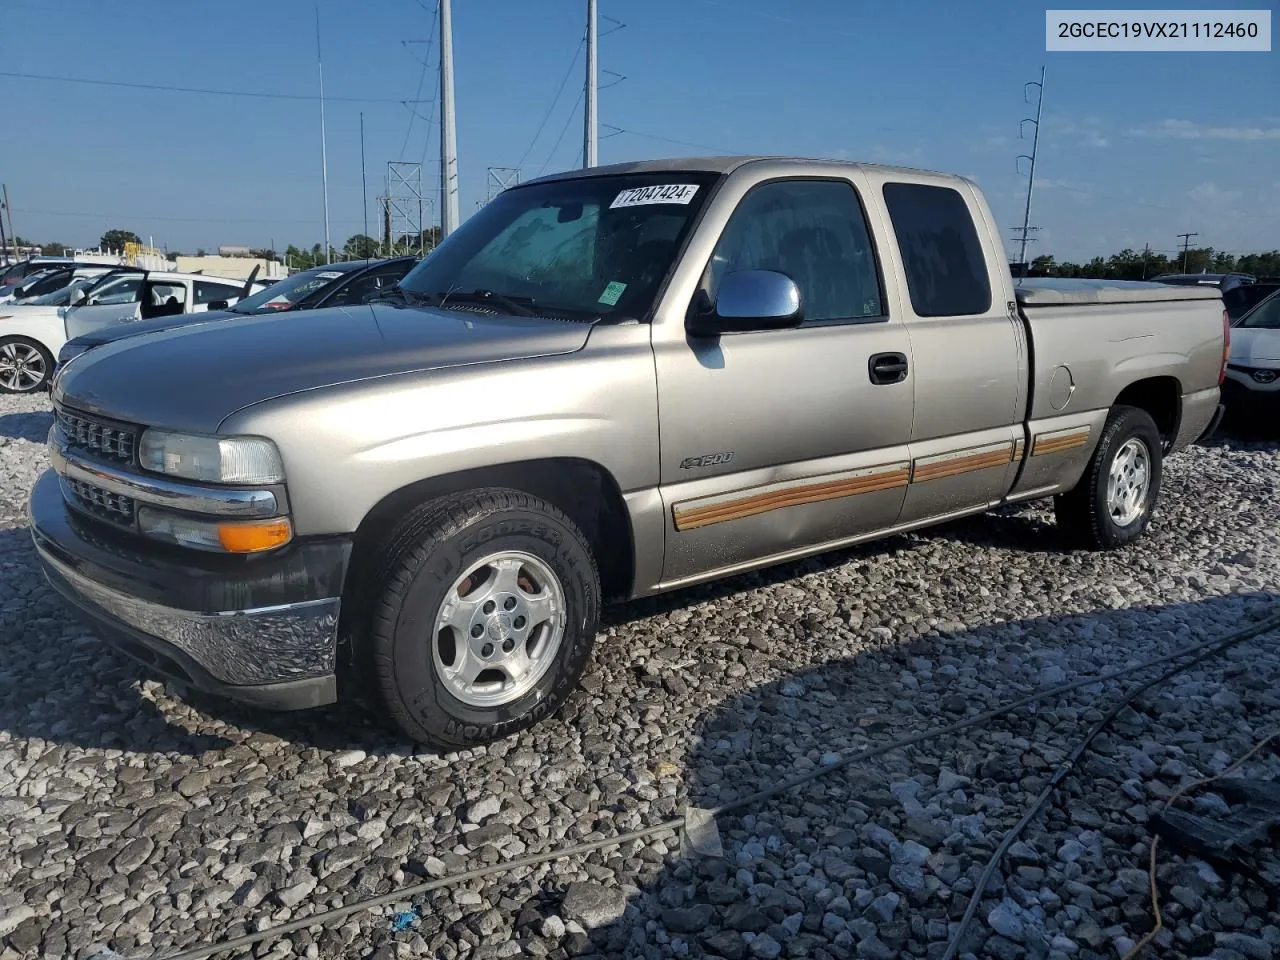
{"x": 499, "y": 627}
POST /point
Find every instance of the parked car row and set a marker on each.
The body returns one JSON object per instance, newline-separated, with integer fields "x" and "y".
{"x": 32, "y": 332}
{"x": 1240, "y": 291}
{"x": 97, "y": 305}
{"x": 340, "y": 284}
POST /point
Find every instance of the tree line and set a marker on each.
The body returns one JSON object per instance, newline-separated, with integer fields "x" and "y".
{"x": 1144, "y": 265}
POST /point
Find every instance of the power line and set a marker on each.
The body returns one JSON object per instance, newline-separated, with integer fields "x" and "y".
{"x": 554, "y": 100}
{"x": 257, "y": 94}
{"x": 651, "y": 136}
{"x": 163, "y": 219}
{"x": 563, "y": 130}
{"x": 422, "y": 77}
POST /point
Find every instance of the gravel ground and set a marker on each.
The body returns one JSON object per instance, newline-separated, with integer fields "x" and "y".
{"x": 140, "y": 823}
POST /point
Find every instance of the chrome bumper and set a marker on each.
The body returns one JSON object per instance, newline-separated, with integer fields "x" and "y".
{"x": 206, "y": 628}
{"x": 237, "y": 647}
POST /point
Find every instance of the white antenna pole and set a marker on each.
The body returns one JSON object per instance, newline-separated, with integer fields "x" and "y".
{"x": 324, "y": 157}
{"x": 589, "y": 111}
{"x": 448, "y": 130}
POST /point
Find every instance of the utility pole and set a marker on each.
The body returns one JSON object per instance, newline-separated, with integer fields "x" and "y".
{"x": 1186, "y": 243}
{"x": 364, "y": 186}
{"x": 324, "y": 158}
{"x": 1031, "y": 177}
{"x": 8, "y": 210}
{"x": 589, "y": 119}
{"x": 1146, "y": 255}
{"x": 448, "y": 131}
{"x": 4, "y": 243}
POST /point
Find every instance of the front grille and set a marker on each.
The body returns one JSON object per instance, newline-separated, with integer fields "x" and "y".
{"x": 99, "y": 438}
{"x": 112, "y": 507}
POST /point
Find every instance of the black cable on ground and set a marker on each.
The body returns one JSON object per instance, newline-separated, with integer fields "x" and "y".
{"x": 1199, "y": 652}
{"x": 1068, "y": 765}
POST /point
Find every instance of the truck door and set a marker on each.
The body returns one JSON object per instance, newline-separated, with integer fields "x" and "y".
{"x": 776, "y": 441}
{"x": 967, "y": 350}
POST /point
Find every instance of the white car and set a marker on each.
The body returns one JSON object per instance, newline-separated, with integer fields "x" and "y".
{"x": 1252, "y": 385}
{"x": 31, "y": 334}
{"x": 48, "y": 281}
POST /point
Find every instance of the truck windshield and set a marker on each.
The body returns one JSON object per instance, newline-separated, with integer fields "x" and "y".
{"x": 582, "y": 249}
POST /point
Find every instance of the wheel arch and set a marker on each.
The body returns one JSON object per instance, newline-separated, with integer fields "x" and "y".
{"x": 1161, "y": 398}
{"x": 586, "y": 491}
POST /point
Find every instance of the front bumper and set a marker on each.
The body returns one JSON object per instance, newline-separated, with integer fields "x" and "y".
{"x": 260, "y": 630}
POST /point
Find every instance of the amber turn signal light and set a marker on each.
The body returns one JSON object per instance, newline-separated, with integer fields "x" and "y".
{"x": 254, "y": 537}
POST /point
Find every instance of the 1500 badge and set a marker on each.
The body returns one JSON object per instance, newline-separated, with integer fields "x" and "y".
{"x": 706, "y": 460}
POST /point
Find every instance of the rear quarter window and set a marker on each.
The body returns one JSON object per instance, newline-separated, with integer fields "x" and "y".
{"x": 946, "y": 272}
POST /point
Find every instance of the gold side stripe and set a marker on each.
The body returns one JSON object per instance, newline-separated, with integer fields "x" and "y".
{"x": 690, "y": 518}
{"x": 1047, "y": 443}
{"x": 726, "y": 507}
{"x": 958, "y": 465}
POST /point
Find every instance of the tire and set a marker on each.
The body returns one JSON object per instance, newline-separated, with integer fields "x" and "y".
{"x": 26, "y": 366}
{"x": 1086, "y": 515}
{"x": 463, "y": 553}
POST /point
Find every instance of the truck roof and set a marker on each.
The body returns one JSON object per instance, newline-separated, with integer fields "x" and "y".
{"x": 1053, "y": 291}
{"x": 725, "y": 165}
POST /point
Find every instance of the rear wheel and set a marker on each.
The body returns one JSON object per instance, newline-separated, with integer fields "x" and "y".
{"x": 486, "y": 617}
{"x": 1116, "y": 498}
{"x": 25, "y": 365}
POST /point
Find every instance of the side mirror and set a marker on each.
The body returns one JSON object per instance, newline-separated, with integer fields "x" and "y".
{"x": 218, "y": 304}
{"x": 750, "y": 300}
{"x": 78, "y": 296}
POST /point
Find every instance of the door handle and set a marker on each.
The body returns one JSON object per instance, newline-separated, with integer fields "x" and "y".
{"x": 886, "y": 368}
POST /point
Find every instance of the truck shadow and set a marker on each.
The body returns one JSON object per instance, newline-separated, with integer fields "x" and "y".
{"x": 70, "y": 687}
{"x": 33, "y": 426}
{"x": 812, "y": 868}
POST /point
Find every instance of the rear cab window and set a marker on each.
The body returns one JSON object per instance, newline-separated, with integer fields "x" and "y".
{"x": 947, "y": 274}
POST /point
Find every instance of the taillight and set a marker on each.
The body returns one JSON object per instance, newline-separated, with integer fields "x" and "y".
{"x": 1226, "y": 347}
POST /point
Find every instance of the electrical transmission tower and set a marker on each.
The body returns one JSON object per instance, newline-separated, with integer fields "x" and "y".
{"x": 1026, "y": 229}
{"x": 500, "y": 178}
{"x": 404, "y": 202}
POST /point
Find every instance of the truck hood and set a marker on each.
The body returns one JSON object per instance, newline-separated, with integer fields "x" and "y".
{"x": 1254, "y": 346}
{"x": 192, "y": 377}
{"x": 132, "y": 328}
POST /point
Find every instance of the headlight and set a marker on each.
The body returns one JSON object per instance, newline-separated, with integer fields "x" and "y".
{"x": 212, "y": 459}
{"x": 222, "y": 536}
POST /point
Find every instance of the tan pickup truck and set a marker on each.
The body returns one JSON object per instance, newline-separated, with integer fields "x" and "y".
{"x": 605, "y": 384}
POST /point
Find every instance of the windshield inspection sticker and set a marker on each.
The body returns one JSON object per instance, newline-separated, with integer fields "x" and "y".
{"x": 661, "y": 193}
{"x": 611, "y": 293}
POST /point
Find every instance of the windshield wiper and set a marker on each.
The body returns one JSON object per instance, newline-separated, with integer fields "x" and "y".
{"x": 518, "y": 306}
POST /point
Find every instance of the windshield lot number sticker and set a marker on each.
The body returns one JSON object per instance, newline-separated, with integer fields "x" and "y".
{"x": 664, "y": 193}
{"x": 611, "y": 293}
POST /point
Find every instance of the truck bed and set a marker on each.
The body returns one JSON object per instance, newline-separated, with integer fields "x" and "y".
{"x": 1060, "y": 291}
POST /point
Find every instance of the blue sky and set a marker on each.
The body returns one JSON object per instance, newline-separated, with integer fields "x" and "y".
{"x": 1136, "y": 147}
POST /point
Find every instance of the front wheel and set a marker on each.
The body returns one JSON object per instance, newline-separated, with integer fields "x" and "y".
{"x": 486, "y": 618}
{"x": 25, "y": 365}
{"x": 1116, "y": 498}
